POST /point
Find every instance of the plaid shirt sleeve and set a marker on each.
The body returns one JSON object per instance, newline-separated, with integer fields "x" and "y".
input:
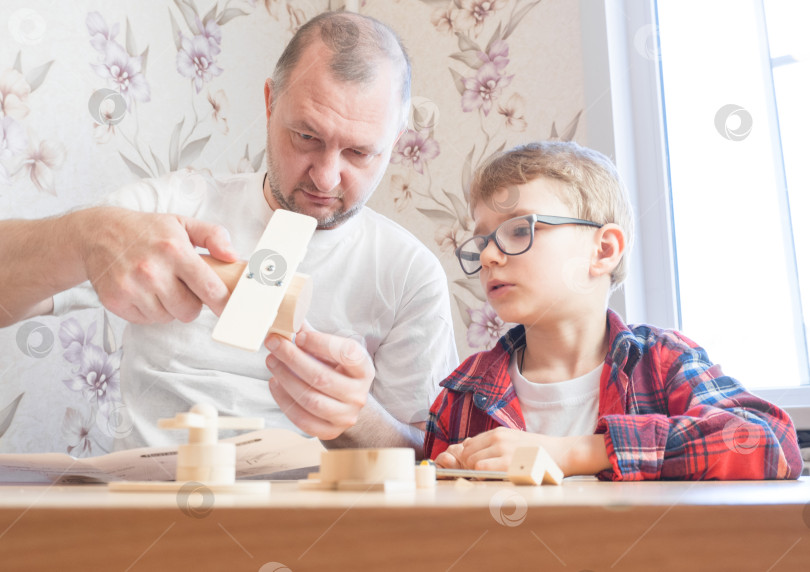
{"x": 684, "y": 419}
{"x": 476, "y": 397}
{"x": 437, "y": 438}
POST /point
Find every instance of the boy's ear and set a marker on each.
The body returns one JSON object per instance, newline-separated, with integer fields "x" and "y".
{"x": 610, "y": 244}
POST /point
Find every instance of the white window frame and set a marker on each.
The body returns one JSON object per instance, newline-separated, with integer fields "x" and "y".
{"x": 624, "y": 120}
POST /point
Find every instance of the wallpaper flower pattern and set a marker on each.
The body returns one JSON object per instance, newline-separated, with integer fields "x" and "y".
{"x": 178, "y": 85}
{"x": 21, "y": 151}
{"x": 482, "y": 76}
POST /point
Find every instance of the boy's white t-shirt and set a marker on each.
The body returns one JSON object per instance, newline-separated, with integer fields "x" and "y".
{"x": 559, "y": 409}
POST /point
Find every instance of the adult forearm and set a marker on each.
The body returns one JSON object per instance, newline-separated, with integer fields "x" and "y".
{"x": 38, "y": 258}
{"x": 376, "y": 427}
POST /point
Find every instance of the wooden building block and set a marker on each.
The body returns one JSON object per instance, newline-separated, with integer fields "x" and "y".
{"x": 386, "y": 469}
{"x": 293, "y": 309}
{"x": 260, "y": 289}
{"x": 529, "y": 466}
{"x": 203, "y": 459}
{"x": 534, "y": 466}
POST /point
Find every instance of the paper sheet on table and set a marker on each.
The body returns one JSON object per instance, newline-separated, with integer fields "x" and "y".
{"x": 258, "y": 454}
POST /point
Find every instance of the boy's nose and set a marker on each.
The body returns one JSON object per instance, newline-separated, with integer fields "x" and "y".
{"x": 492, "y": 254}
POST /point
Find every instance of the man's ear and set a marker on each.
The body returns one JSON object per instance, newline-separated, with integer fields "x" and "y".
{"x": 268, "y": 95}
{"x": 609, "y": 244}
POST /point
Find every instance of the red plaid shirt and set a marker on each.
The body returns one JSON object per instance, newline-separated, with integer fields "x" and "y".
{"x": 666, "y": 411}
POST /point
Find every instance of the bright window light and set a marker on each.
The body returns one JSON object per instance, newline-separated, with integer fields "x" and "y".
{"x": 736, "y": 85}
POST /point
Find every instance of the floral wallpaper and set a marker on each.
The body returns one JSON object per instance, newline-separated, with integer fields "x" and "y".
{"x": 93, "y": 96}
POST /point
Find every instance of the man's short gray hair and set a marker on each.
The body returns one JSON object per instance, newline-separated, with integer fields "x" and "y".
{"x": 358, "y": 43}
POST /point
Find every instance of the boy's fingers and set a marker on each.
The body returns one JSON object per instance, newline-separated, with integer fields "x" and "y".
{"x": 471, "y": 446}
{"x": 491, "y": 464}
{"x": 447, "y": 461}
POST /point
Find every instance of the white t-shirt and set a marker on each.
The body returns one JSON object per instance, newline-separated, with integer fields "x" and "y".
{"x": 372, "y": 280}
{"x": 558, "y": 409}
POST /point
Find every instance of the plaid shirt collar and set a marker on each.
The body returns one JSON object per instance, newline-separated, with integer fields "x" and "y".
{"x": 490, "y": 391}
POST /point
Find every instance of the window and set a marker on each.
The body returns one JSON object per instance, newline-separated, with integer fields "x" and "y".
{"x": 735, "y": 114}
{"x": 702, "y": 104}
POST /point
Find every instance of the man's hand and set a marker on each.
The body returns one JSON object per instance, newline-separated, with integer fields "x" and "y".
{"x": 493, "y": 451}
{"x": 320, "y": 382}
{"x": 144, "y": 267}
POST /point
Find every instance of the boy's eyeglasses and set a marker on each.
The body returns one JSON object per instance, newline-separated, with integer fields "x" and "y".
{"x": 512, "y": 237}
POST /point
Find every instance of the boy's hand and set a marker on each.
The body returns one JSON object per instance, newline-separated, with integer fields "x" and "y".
{"x": 449, "y": 458}
{"x": 493, "y": 451}
{"x": 320, "y": 382}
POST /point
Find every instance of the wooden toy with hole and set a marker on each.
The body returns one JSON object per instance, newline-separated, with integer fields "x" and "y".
{"x": 267, "y": 295}
{"x": 203, "y": 460}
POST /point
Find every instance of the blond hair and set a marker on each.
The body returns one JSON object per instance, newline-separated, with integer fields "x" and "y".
{"x": 592, "y": 187}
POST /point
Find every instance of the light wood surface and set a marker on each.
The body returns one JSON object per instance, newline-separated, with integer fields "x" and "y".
{"x": 581, "y": 525}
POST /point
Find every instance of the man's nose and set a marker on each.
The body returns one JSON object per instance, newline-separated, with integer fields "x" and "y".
{"x": 325, "y": 172}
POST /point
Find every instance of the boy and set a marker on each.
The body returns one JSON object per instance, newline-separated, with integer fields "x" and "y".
{"x": 554, "y": 227}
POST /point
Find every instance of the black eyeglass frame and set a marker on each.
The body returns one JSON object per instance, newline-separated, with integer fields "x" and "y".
{"x": 533, "y": 219}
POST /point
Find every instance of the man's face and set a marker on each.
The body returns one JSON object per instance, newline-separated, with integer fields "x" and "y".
{"x": 329, "y": 142}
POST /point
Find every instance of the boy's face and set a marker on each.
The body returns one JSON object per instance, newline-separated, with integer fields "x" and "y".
{"x": 549, "y": 282}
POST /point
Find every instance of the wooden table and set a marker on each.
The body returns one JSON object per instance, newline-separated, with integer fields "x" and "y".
{"x": 581, "y": 525}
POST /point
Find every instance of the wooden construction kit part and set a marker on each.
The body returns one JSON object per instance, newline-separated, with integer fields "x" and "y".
{"x": 293, "y": 309}
{"x": 203, "y": 459}
{"x": 393, "y": 470}
{"x": 261, "y": 286}
{"x": 529, "y": 466}
{"x": 387, "y": 469}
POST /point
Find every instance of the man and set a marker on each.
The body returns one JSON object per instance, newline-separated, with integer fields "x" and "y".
{"x": 336, "y": 105}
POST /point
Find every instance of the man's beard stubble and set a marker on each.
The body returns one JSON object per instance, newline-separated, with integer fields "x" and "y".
{"x": 333, "y": 220}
